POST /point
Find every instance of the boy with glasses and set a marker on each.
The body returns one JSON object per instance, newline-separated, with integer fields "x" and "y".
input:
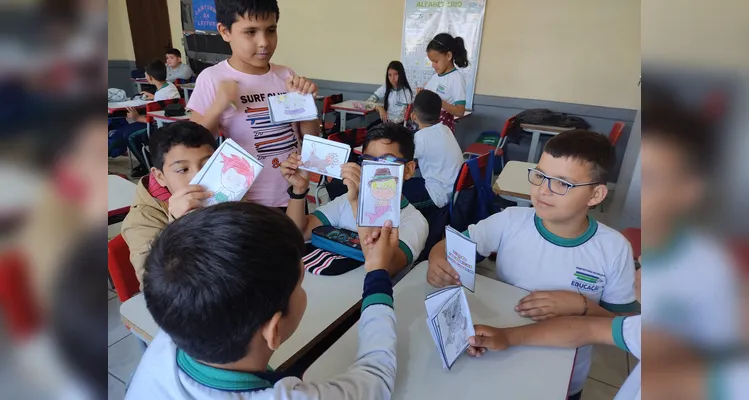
{"x": 385, "y": 142}
{"x": 572, "y": 264}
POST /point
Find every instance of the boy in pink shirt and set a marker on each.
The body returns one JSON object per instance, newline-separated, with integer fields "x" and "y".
{"x": 231, "y": 96}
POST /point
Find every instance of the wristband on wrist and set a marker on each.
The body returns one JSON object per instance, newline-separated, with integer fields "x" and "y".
{"x": 295, "y": 196}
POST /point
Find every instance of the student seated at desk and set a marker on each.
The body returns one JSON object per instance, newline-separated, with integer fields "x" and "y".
{"x": 570, "y": 262}
{"x": 136, "y": 132}
{"x": 223, "y": 311}
{"x": 175, "y": 69}
{"x": 438, "y": 154}
{"x": 178, "y": 150}
{"x": 395, "y": 94}
{"x": 387, "y": 142}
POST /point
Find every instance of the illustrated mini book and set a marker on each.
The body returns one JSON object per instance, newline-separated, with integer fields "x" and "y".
{"x": 229, "y": 173}
{"x": 380, "y": 193}
{"x": 292, "y": 107}
{"x": 324, "y": 157}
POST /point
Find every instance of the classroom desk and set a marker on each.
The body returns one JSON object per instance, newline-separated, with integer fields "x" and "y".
{"x": 162, "y": 119}
{"x": 512, "y": 183}
{"x": 330, "y": 300}
{"x": 518, "y": 373}
{"x": 123, "y": 105}
{"x": 348, "y": 107}
{"x": 186, "y": 89}
{"x": 537, "y": 131}
{"x": 120, "y": 195}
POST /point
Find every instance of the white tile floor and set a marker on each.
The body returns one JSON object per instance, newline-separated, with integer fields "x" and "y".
{"x": 610, "y": 366}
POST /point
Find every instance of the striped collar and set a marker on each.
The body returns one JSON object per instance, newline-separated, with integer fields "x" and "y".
{"x": 224, "y": 379}
{"x": 448, "y": 73}
{"x": 566, "y": 242}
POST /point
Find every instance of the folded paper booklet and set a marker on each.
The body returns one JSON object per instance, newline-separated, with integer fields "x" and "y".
{"x": 461, "y": 254}
{"x": 324, "y": 157}
{"x": 291, "y": 107}
{"x": 229, "y": 173}
{"x": 380, "y": 193}
{"x": 449, "y": 322}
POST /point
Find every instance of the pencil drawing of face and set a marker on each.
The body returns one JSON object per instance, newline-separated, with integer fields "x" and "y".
{"x": 236, "y": 174}
{"x": 383, "y": 187}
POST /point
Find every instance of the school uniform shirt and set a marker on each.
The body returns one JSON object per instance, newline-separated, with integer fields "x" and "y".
{"x": 250, "y": 126}
{"x": 182, "y": 71}
{"x": 598, "y": 264}
{"x": 440, "y": 159}
{"x": 412, "y": 232}
{"x": 691, "y": 289}
{"x": 449, "y": 86}
{"x": 398, "y": 101}
{"x": 166, "y": 92}
{"x": 167, "y": 372}
{"x": 626, "y": 332}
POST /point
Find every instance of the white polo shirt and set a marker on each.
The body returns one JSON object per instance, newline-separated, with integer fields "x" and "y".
{"x": 449, "y": 86}
{"x": 626, "y": 332}
{"x": 166, "y": 92}
{"x": 598, "y": 264}
{"x": 412, "y": 232}
{"x": 398, "y": 101}
{"x": 440, "y": 159}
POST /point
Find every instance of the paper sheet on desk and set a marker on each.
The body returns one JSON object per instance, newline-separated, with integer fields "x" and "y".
{"x": 129, "y": 103}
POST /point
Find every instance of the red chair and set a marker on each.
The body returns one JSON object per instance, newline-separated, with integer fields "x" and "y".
{"x": 18, "y": 308}
{"x": 634, "y": 235}
{"x": 616, "y": 132}
{"x": 490, "y": 141}
{"x": 121, "y": 270}
{"x": 407, "y": 115}
{"x": 326, "y": 127}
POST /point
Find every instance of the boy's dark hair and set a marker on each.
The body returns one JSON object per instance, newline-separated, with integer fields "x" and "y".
{"x": 587, "y": 146}
{"x": 157, "y": 70}
{"x": 174, "y": 52}
{"x": 445, "y": 42}
{"x": 394, "y": 133}
{"x": 186, "y": 133}
{"x": 684, "y": 129}
{"x": 216, "y": 275}
{"x": 427, "y": 107}
{"x": 228, "y": 11}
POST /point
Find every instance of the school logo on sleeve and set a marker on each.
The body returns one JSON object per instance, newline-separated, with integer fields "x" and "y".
{"x": 587, "y": 280}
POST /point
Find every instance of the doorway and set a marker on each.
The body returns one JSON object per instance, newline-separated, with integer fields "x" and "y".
{"x": 149, "y": 29}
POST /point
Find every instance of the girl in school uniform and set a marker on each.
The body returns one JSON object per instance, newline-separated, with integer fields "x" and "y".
{"x": 447, "y": 54}
{"x": 396, "y": 95}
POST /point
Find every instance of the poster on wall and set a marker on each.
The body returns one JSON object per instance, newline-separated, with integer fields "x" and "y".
{"x": 425, "y": 19}
{"x": 204, "y": 15}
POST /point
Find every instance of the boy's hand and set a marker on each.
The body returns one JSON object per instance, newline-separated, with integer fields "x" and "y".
{"x": 132, "y": 113}
{"x": 301, "y": 85}
{"x": 147, "y": 95}
{"x": 379, "y": 246}
{"x": 440, "y": 272}
{"x": 487, "y": 338}
{"x": 298, "y": 179}
{"x": 227, "y": 93}
{"x": 351, "y": 174}
{"x": 187, "y": 199}
{"x": 549, "y": 304}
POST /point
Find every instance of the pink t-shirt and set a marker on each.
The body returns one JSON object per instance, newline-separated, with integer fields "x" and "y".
{"x": 250, "y": 126}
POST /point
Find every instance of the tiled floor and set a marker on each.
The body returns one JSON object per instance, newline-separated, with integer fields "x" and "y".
{"x": 610, "y": 366}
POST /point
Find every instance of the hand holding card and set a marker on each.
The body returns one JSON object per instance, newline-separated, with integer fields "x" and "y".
{"x": 228, "y": 174}
{"x": 461, "y": 254}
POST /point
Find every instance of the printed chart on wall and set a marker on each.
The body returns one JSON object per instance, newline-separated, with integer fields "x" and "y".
{"x": 425, "y": 19}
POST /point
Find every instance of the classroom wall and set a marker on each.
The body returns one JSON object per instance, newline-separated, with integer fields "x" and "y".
{"x": 576, "y": 51}
{"x": 119, "y": 39}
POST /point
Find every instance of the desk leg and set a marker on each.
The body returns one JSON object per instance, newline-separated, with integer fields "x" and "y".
{"x": 139, "y": 86}
{"x": 532, "y": 150}
{"x": 187, "y": 95}
{"x": 343, "y": 120}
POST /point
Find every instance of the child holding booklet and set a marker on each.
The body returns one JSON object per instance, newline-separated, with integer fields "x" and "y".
{"x": 232, "y": 95}
{"x": 572, "y": 264}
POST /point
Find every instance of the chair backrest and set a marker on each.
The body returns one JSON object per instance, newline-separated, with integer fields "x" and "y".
{"x": 508, "y": 124}
{"x": 121, "y": 270}
{"x": 328, "y": 102}
{"x": 353, "y": 137}
{"x": 407, "y": 115}
{"x": 18, "y": 307}
{"x": 616, "y": 132}
{"x": 633, "y": 235}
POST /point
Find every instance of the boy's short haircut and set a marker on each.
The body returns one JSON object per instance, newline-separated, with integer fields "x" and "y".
{"x": 395, "y": 133}
{"x": 216, "y": 275}
{"x": 427, "y": 106}
{"x": 228, "y": 11}
{"x": 186, "y": 133}
{"x": 174, "y": 52}
{"x": 157, "y": 70}
{"x": 586, "y": 146}
{"x": 684, "y": 129}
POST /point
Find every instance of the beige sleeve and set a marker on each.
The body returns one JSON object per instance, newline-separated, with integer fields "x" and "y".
{"x": 141, "y": 226}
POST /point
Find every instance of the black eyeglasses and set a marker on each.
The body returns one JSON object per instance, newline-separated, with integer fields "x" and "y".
{"x": 556, "y": 185}
{"x": 387, "y": 157}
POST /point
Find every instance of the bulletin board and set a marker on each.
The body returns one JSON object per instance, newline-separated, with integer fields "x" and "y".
{"x": 423, "y": 20}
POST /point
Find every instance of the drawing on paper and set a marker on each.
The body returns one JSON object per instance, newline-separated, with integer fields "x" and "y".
{"x": 383, "y": 188}
{"x": 456, "y": 322}
{"x": 321, "y": 164}
{"x": 292, "y": 105}
{"x": 236, "y": 176}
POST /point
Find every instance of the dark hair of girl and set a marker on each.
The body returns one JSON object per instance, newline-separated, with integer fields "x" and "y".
{"x": 444, "y": 42}
{"x": 402, "y": 80}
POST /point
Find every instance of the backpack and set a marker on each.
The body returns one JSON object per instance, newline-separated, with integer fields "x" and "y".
{"x": 542, "y": 116}
{"x": 475, "y": 203}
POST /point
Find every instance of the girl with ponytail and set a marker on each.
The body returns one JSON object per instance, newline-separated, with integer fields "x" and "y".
{"x": 447, "y": 54}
